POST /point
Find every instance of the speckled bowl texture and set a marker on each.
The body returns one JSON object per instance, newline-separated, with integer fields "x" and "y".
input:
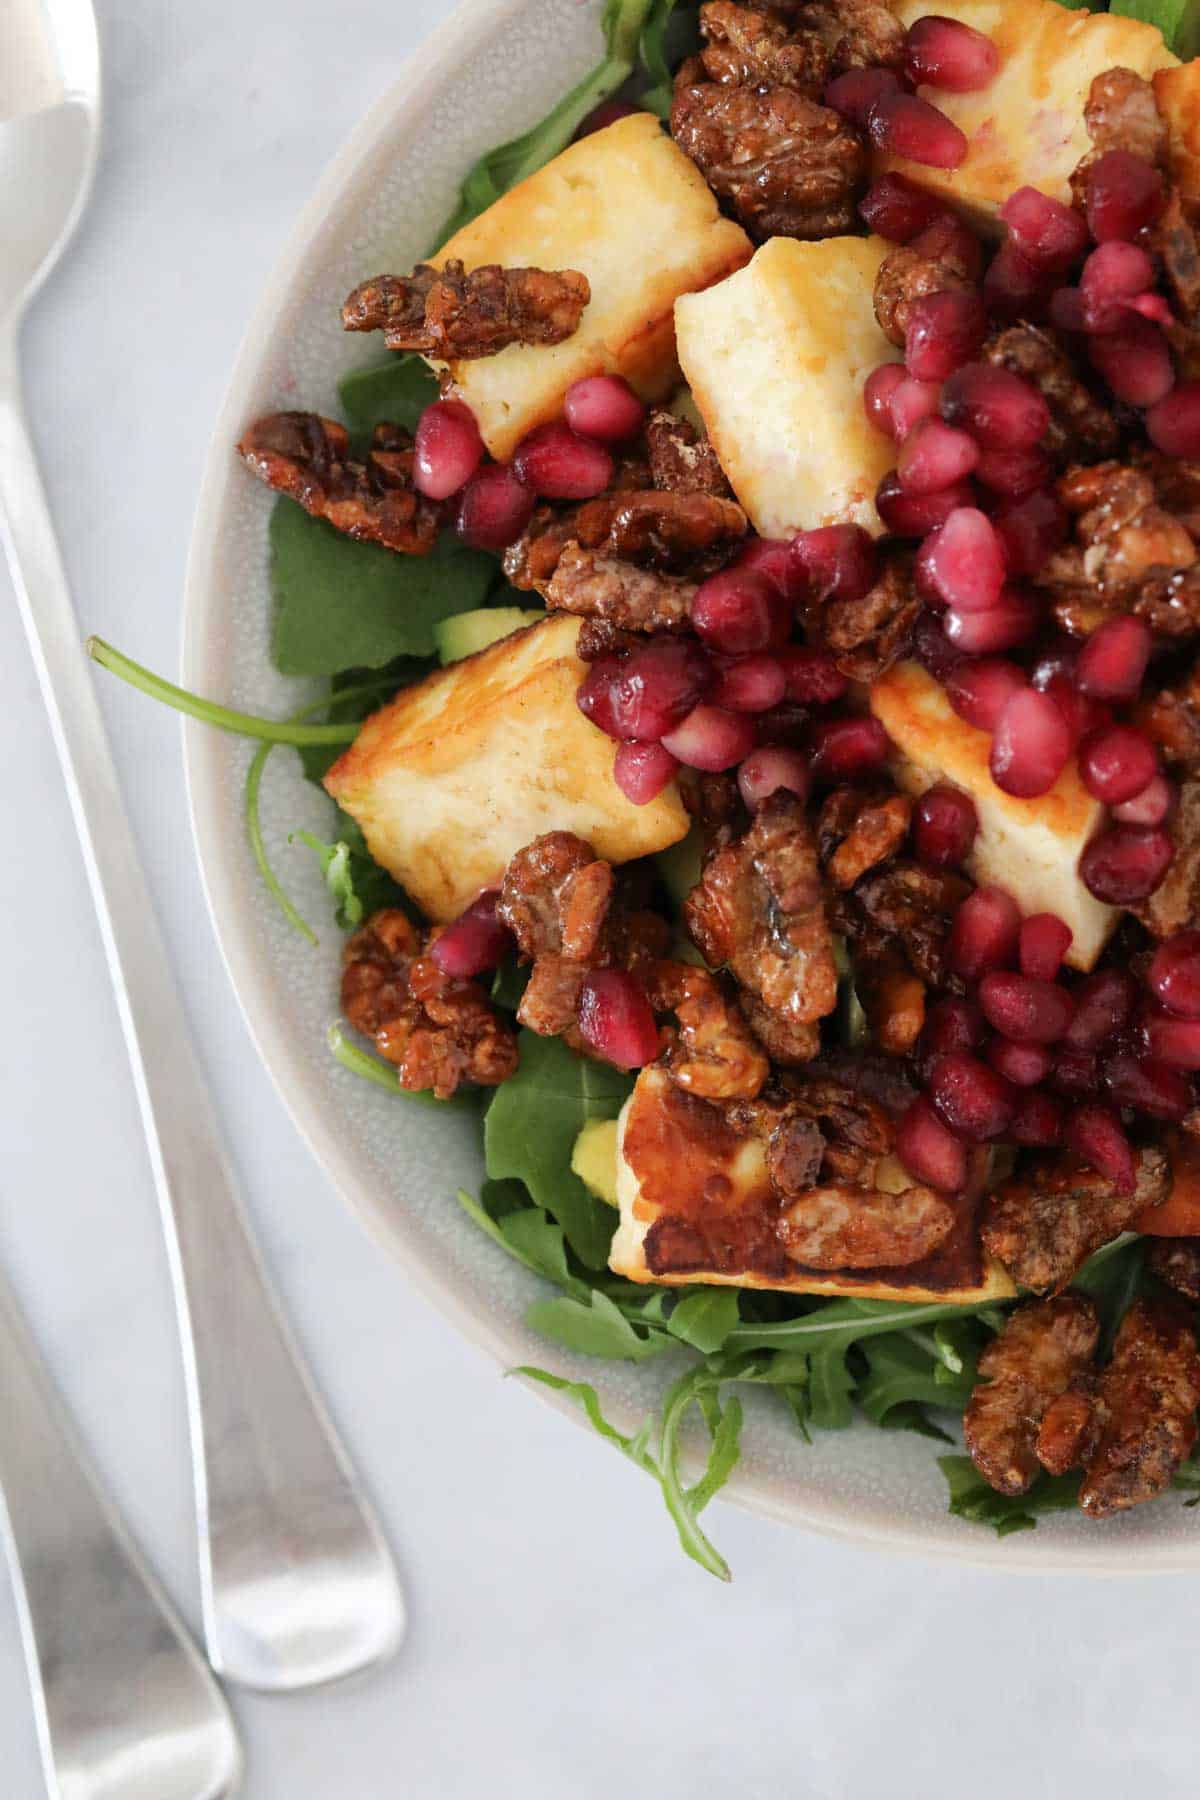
{"x": 491, "y": 71}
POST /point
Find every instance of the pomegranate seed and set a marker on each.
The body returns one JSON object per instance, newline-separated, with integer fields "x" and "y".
{"x": 1103, "y": 1004}
{"x": 1113, "y": 660}
{"x": 1025, "y": 1065}
{"x": 845, "y": 748}
{"x": 1173, "y": 424}
{"x": 1013, "y": 620}
{"x": 1174, "y": 976}
{"x": 904, "y": 125}
{"x": 1122, "y": 195}
{"x": 1125, "y": 864}
{"x": 944, "y": 827}
{"x": 1024, "y": 1008}
{"x": 984, "y": 933}
{"x": 950, "y": 1025}
{"x": 1037, "y": 1120}
{"x": 642, "y": 771}
{"x": 772, "y": 558}
{"x": 943, "y": 53}
{"x": 1175, "y": 1042}
{"x": 915, "y": 515}
{"x": 604, "y": 115}
{"x": 1030, "y": 530}
{"x": 971, "y": 1098}
{"x": 1076, "y": 1073}
{"x": 603, "y": 407}
{"x": 767, "y": 770}
{"x": 812, "y": 676}
{"x": 962, "y": 561}
{"x": 947, "y": 238}
{"x": 934, "y": 456}
{"x": 1147, "y": 1086}
{"x": 1153, "y": 806}
{"x": 945, "y": 330}
{"x": 616, "y": 1021}
{"x": 495, "y": 508}
{"x": 1043, "y": 943}
{"x": 933, "y": 649}
{"x": 1116, "y": 763}
{"x": 475, "y": 942}
{"x": 979, "y": 691}
{"x": 897, "y": 208}
{"x": 648, "y": 693}
{"x": 1135, "y": 361}
{"x": 1014, "y": 287}
{"x": 998, "y": 408}
{"x": 858, "y": 92}
{"x": 1094, "y": 1134}
{"x": 931, "y": 1154}
{"x": 1050, "y": 235}
{"x": 1014, "y": 473}
{"x": 1083, "y": 715}
{"x": 1066, "y": 310}
{"x": 838, "y": 562}
{"x": 711, "y": 738}
{"x": 1154, "y": 308}
{"x": 750, "y": 684}
{"x": 1112, "y": 274}
{"x": 878, "y": 389}
{"x": 560, "y": 465}
{"x": 912, "y": 402}
{"x": 447, "y": 449}
{"x": 739, "y": 611}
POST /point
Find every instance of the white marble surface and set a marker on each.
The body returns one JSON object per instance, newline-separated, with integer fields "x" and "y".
{"x": 559, "y": 1644}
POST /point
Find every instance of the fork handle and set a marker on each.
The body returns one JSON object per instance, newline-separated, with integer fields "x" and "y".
{"x": 297, "y": 1584}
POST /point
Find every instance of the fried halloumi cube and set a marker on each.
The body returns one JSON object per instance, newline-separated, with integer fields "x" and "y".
{"x": 1177, "y": 93}
{"x": 678, "y": 1161}
{"x": 458, "y": 773}
{"x": 1026, "y": 127}
{"x": 630, "y": 211}
{"x": 776, "y": 357}
{"x": 1029, "y": 847}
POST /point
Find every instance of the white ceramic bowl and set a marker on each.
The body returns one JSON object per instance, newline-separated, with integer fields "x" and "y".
{"x": 491, "y": 70}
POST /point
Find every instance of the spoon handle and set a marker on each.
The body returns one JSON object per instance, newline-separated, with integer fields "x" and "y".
{"x": 298, "y": 1586}
{"x": 125, "y": 1704}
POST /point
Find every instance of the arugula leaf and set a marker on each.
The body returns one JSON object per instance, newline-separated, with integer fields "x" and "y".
{"x": 587, "y": 1397}
{"x": 342, "y": 604}
{"x": 900, "y": 1375}
{"x": 531, "y": 1127}
{"x": 1178, "y": 20}
{"x": 831, "y": 1387}
{"x": 705, "y": 1318}
{"x": 843, "y": 1322}
{"x": 659, "y": 62}
{"x": 528, "y": 1235}
{"x": 339, "y": 876}
{"x": 971, "y": 1497}
{"x": 594, "y": 1327}
{"x": 393, "y": 393}
{"x": 686, "y": 1504}
{"x": 1113, "y": 1279}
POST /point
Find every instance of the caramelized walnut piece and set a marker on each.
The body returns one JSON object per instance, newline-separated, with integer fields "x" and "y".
{"x": 893, "y": 998}
{"x": 713, "y": 1054}
{"x": 1145, "y": 1409}
{"x": 1174, "y": 238}
{"x": 1081, "y": 428}
{"x": 1121, "y": 114}
{"x": 910, "y": 905}
{"x": 1177, "y": 1262}
{"x": 859, "y": 34}
{"x": 681, "y": 460}
{"x": 858, "y": 828}
{"x": 758, "y": 909}
{"x": 619, "y": 592}
{"x": 787, "y": 166}
{"x": 1170, "y": 717}
{"x": 455, "y": 316}
{"x": 867, "y": 634}
{"x": 1043, "y": 1347}
{"x": 1175, "y": 903}
{"x": 1046, "y": 1220}
{"x": 857, "y": 1228}
{"x": 437, "y": 1030}
{"x": 906, "y": 275}
{"x": 1130, "y": 555}
{"x": 747, "y": 46}
{"x": 307, "y": 458}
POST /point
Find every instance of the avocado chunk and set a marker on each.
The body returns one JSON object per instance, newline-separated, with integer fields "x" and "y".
{"x": 594, "y": 1158}
{"x": 465, "y": 633}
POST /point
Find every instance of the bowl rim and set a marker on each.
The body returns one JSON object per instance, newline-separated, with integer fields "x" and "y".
{"x": 220, "y": 852}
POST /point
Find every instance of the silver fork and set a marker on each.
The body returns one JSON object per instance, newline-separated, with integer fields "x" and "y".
{"x": 297, "y": 1583}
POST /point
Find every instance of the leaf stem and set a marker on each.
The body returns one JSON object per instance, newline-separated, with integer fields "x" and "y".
{"x": 224, "y": 718}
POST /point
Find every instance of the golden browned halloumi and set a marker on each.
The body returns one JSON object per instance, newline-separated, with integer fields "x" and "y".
{"x": 630, "y": 211}
{"x": 677, "y": 1159}
{"x": 776, "y": 357}
{"x": 461, "y": 771}
{"x": 1030, "y": 847}
{"x": 1026, "y": 127}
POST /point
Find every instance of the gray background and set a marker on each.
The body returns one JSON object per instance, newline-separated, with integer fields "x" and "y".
{"x": 559, "y": 1644}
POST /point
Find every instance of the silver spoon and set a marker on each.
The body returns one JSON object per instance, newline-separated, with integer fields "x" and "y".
{"x": 126, "y": 1708}
{"x": 297, "y": 1584}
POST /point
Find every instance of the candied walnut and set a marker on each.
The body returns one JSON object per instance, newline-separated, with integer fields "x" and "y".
{"x": 859, "y": 1228}
{"x": 758, "y": 910}
{"x": 626, "y": 553}
{"x": 1174, "y": 238}
{"x": 1121, "y": 114}
{"x": 912, "y": 905}
{"x": 1081, "y": 428}
{"x": 307, "y": 457}
{"x": 858, "y": 828}
{"x": 550, "y": 1003}
{"x": 681, "y": 460}
{"x": 787, "y": 166}
{"x": 454, "y": 315}
{"x": 1176, "y": 484}
{"x": 859, "y": 34}
{"x": 620, "y": 593}
{"x": 1145, "y": 1409}
{"x": 597, "y": 639}
{"x": 1043, "y": 1347}
{"x": 714, "y": 1054}
{"x": 1175, "y": 903}
{"x": 893, "y": 998}
{"x": 1177, "y": 1262}
{"x": 906, "y": 275}
{"x": 439, "y": 1031}
{"x": 868, "y": 634}
{"x": 1130, "y": 555}
{"x": 1068, "y": 1428}
{"x": 755, "y": 48}
{"x": 1046, "y": 1220}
